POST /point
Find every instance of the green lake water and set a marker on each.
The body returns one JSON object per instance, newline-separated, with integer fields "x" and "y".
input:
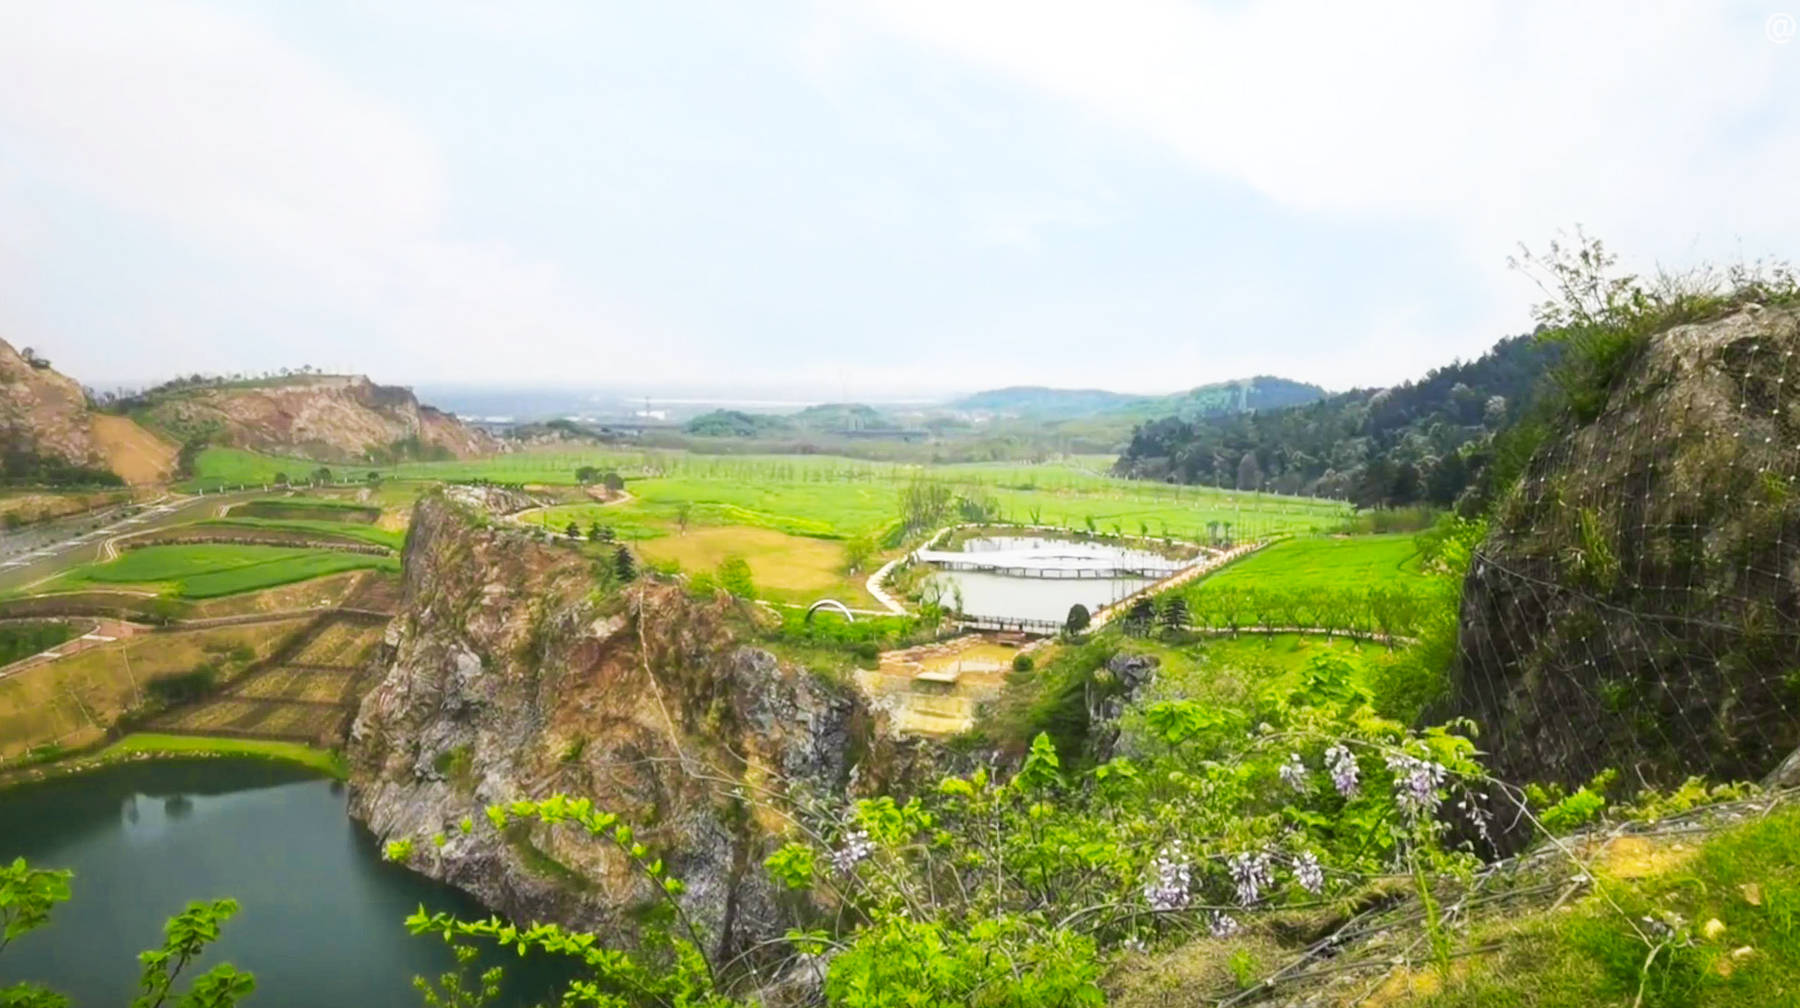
{"x": 320, "y": 923}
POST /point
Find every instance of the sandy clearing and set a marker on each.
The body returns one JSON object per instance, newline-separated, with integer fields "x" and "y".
{"x": 138, "y": 456}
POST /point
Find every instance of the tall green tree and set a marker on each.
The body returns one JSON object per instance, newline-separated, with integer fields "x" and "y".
{"x": 1139, "y": 618}
{"x": 1175, "y": 617}
{"x": 1077, "y": 620}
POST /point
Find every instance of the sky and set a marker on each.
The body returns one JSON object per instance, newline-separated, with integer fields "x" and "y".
{"x": 864, "y": 199}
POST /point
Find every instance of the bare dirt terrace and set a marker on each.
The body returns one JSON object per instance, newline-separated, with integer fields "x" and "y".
{"x": 305, "y": 692}
{"x": 934, "y": 689}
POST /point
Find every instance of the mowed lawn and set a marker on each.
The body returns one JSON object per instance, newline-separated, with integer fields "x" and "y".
{"x": 211, "y": 570}
{"x": 1325, "y": 564}
{"x": 785, "y": 568}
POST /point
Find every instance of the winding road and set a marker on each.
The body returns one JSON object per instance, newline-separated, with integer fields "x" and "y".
{"x": 25, "y": 570}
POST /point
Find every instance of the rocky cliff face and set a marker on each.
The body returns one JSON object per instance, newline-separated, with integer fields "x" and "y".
{"x": 1635, "y": 604}
{"x": 330, "y": 418}
{"x": 512, "y": 678}
{"x": 44, "y": 413}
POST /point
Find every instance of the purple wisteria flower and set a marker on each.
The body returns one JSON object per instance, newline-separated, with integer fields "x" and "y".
{"x": 1293, "y": 773}
{"x": 1222, "y": 925}
{"x": 1170, "y": 875}
{"x": 1309, "y": 873}
{"x": 1474, "y": 806}
{"x": 1341, "y": 764}
{"x": 1416, "y": 783}
{"x": 854, "y": 850}
{"x": 1250, "y": 873}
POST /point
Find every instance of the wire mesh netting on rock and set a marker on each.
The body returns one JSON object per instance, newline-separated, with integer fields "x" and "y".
{"x": 1634, "y": 605}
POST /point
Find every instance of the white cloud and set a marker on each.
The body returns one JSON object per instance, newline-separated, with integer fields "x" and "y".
{"x": 1494, "y": 121}
{"x": 232, "y": 141}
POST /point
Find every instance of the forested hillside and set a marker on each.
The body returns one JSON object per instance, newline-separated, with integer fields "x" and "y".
{"x": 1039, "y": 402}
{"x": 1419, "y": 442}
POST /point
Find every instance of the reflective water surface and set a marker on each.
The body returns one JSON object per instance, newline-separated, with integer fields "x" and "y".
{"x": 321, "y": 918}
{"x": 986, "y": 593}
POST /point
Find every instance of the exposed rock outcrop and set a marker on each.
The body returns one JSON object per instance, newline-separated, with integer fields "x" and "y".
{"x": 1635, "y": 603}
{"x": 44, "y": 413}
{"x": 1128, "y": 676}
{"x": 512, "y": 677}
{"x": 332, "y": 418}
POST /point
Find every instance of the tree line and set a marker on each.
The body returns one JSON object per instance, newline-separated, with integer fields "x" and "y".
{"x": 1418, "y": 442}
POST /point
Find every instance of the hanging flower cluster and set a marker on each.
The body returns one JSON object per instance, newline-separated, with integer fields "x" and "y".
{"x": 1170, "y": 876}
{"x": 1341, "y": 764}
{"x": 1293, "y": 773}
{"x": 1474, "y": 806}
{"x": 1416, "y": 783}
{"x": 1250, "y": 872}
{"x": 1309, "y": 873}
{"x": 855, "y": 849}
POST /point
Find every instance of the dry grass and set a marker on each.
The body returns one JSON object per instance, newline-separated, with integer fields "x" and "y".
{"x": 785, "y": 567}
{"x": 138, "y": 456}
{"x": 71, "y": 701}
{"x": 315, "y": 594}
{"x": 236, "y": 716}
{"x": 310, "y": 685}
{"x": 339, "y": 642}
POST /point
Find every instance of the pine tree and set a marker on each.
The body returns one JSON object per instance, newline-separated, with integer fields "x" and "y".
{"x": 623, "y": 565}
{"x": 1175, "y": 617}
{"x": 573, "y": 531}
{"x": 1139, "y": 617}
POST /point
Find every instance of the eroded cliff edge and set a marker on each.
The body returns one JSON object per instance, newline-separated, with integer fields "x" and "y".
{"x": 514, "y": 676}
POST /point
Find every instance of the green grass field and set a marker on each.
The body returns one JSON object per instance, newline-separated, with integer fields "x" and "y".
{"x": 202, "y": 746}
{"x": 216, "y": 467}
{"x": 1325, "y": 564}
{"x": 786, "y": 515}
{"x": 349, "y": 531}
{"x": 308, "y": 508}
{"x": 208, "y": 571}
{"x": 834, "y": 497}
{"x": 1234, "y": 671}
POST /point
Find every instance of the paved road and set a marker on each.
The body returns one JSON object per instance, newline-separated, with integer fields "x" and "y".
{"x": 45, "y": 561}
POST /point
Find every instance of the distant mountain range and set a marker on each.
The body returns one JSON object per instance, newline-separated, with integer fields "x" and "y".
{"x": 823, "y": 418}
{"x": 1242, "y": 395}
